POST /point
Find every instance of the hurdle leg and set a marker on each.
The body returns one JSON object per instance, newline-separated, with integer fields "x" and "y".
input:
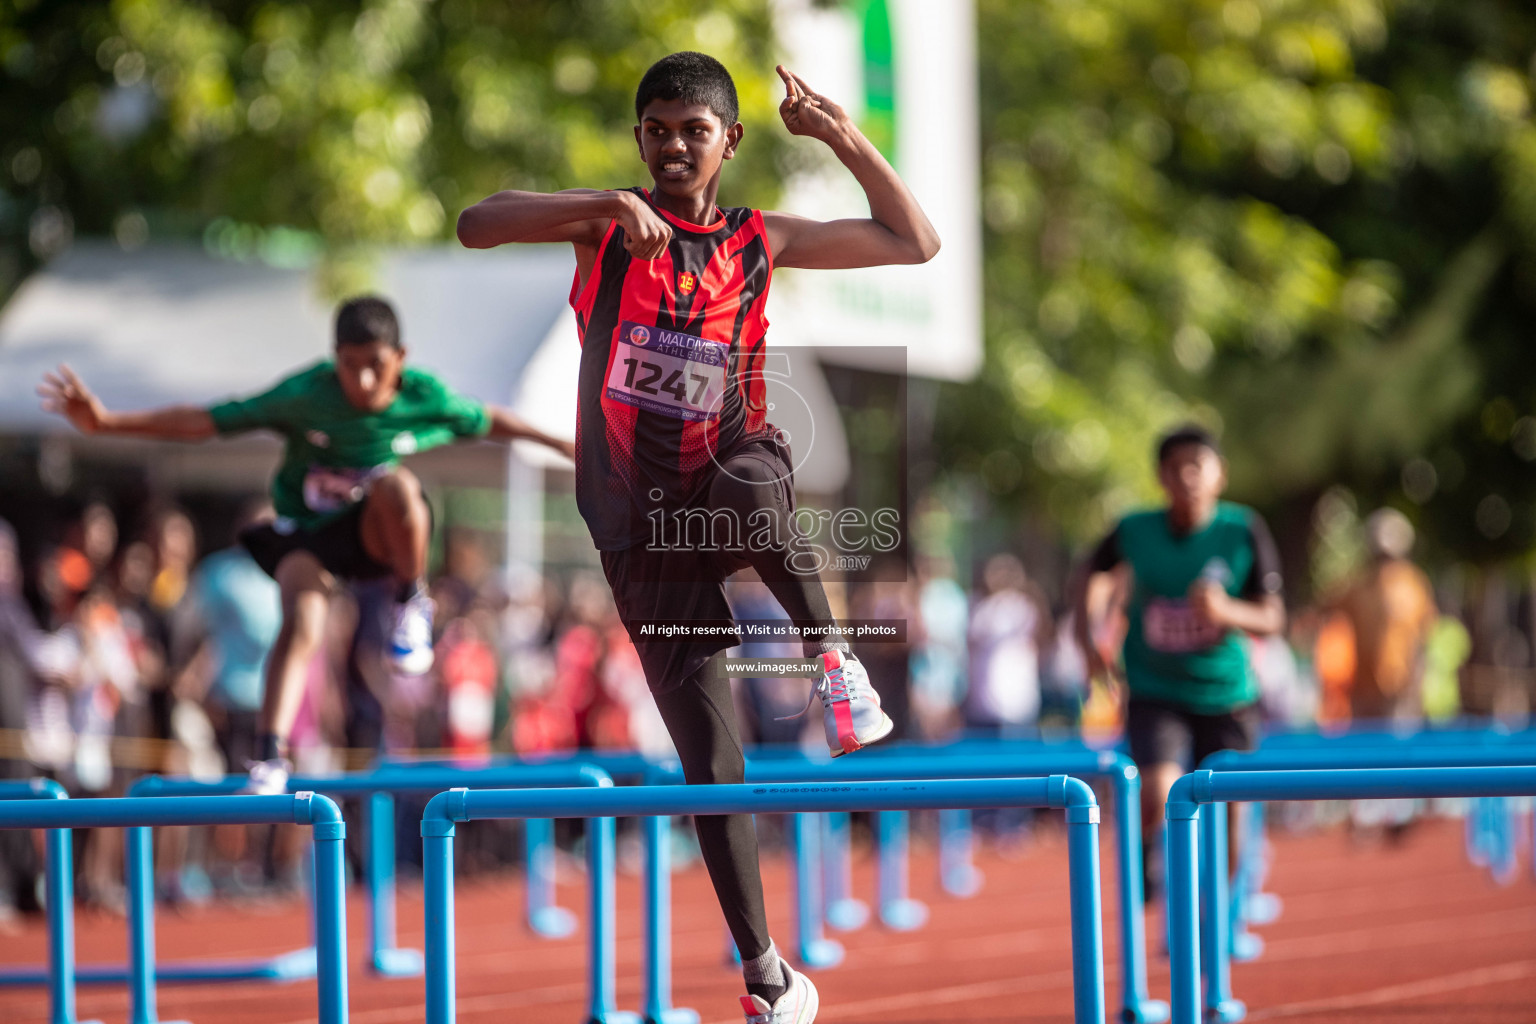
{"x": 544, "y": 916}
{"x": 898, "y": 912}
{"x": 843, "y": 911}
{"x": 958, "y": 873}
{"x": 1215, "y": 954}
{"x": 437, "y": 893}
{"x": 657, "y": 1005}
{"x": 1258, "y": 906}
{"x": 1136, "y": 1007}
{"x": 386, "y": 959}
{"x": 1183, "y": 887}
{"x": 140, "y": 856}
{"x": 330, "y": 894}
{"x": 59, "y": 882}
{"x": 601, "y": 969}
{"x": 1087, "y": 926}
{"x": 815, "y": 949}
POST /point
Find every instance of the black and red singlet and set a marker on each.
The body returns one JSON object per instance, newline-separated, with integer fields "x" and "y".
{"x": 671, "y": 368}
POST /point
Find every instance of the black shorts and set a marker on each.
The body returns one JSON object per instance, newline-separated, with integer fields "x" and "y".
{"x": 338, "y": 544}
{"x": 1164, "y": 733}
{"x": 653, "y": 585}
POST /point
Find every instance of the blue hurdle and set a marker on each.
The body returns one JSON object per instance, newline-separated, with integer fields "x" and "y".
{"x": 1211, "y": 789}
{"x": 59, "y": 890}
{"x": 1216, "y": 944}
{"x": 1490, "y": 840}
{"x": 447, "y": 809}
{"x": 1080, "y": 762}
{"x": 380, "y": 786}
{"x": 138, "y": 814}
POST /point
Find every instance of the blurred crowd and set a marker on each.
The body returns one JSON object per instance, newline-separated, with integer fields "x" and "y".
{"x": 132, "y": 651}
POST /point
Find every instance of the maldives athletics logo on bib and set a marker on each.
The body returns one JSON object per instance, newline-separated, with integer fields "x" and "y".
{"x": 639, "y": 336}
{"x": 687, "y": 282}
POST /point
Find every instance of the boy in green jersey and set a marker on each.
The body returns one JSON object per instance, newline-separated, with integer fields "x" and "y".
{"x": 346, "y": 508}
{"x": 1203, "y": 573}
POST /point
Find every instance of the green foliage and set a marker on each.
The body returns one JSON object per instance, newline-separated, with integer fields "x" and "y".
{"x": 290, "y": 129}
{"x": 1307, "y": 222}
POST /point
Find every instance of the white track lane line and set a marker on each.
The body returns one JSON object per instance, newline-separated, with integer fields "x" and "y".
{"x": 1473, "y": 978}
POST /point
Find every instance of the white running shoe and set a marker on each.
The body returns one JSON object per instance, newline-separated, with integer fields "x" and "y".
{"x": 268, "y": 778}
{"x": 798, "y": 1005}
{"x": 410, "y": 641}
{"x": 850, "y": 707}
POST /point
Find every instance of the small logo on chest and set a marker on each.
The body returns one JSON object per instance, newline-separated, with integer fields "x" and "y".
{"x": 687, "y": 281}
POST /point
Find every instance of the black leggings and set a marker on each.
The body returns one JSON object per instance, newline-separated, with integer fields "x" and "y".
{"x": 701, "y": 717}
{"x": 755, "y": 487}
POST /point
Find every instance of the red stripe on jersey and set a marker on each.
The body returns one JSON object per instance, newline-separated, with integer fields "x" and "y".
{"x": 656, "y": 447}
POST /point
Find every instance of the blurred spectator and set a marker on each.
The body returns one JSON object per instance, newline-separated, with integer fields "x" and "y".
{"x": 1447, "y": 649}
{"x": 1390, "y": 608}
{"x": 1063, "y": 679}
{"x": 889, "y": 598}
{"x": 467, "y": 665}
{"x": 236, "y": 607}
{"x": 18, "y": 635}
{"x": 234, "y": 616}
{"x": 939, "y": 659}
{"x": 1009, "y": 628}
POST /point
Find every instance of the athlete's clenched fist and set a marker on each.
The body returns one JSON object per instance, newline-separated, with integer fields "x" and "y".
{"x": 646, "y": 234}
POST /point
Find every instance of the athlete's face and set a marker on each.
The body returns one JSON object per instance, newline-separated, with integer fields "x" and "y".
{"x": 683, "y": 145}
{"x": 1193, "y": 476}
{"x": 370, "y": 374}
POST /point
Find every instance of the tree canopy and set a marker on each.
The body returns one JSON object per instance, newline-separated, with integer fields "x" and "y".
{"x": 288, "y": 129}
{"x": 1309, "y": 223}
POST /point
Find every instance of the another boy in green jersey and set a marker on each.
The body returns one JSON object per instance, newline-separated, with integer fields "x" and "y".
{"x": 1203, "y": 574}
{"x": 346, "y": 508}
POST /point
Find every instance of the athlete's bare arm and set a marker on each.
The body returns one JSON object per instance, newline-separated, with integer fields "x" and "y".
{"x": 579, "y": 216}
{"x": 1211, "y": 603}
{"x": 508, "y": 426}
{"x": 896, "y": 230}
{"x": 63, "y": 392}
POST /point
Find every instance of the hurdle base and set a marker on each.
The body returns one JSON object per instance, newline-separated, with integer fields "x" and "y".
{"x": 398, "y": 963}
{"x": 299, "y": 965}
{"x": 1229, "y": 1011}
{"x": 676, "y": 1015}
{"x": 552, "y": 922}
{"x": 616, "y": 1017}
{"x": 1263, "y": 908}
{"x": 963, "y": 883}
{"x": 904, "y": 915}
{"x": 847, "y": 915}
{"x": 1246, "y": 946}
{"x": 1146, "y": 1011}
{"x": 821, "y": 953}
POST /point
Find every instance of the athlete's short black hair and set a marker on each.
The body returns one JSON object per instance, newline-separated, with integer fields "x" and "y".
{"x": 692, "y": 77}
{"x": 1188, "y": 433}
{"x": 365, "y": 320}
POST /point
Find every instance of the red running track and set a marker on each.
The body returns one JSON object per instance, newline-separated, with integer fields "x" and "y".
{"x": 1369, "y": 933}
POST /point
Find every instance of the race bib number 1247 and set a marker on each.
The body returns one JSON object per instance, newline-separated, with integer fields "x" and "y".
{"x": 667, "y": 372}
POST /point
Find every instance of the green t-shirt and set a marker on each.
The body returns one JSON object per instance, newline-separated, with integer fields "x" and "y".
{"x": 333, "y": 449}
{"x": 1169, "y": 654}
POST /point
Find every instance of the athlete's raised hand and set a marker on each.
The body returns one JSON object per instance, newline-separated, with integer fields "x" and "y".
{"x": 63, "y": 392}
{"x": 807, "y": 112}
{"x": 646, "y": 233}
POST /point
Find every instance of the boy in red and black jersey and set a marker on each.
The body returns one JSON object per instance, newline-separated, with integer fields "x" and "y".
{"x": 669, "y": 297}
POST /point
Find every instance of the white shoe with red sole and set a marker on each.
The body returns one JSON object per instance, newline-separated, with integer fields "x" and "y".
{"x": 798, "y": 1005}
